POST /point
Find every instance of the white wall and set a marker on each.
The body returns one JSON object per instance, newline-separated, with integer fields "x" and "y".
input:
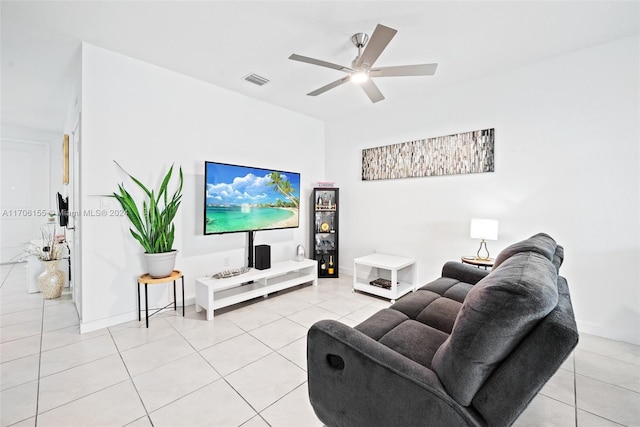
{"x": 147, "y": 118}
{"x": 567, "y": 163}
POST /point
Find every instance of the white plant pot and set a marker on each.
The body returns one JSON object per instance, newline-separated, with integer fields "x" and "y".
{"x": 160, "y": 265}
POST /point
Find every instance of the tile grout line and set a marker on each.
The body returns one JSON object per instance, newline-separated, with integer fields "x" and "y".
{"x": 608, "y": 356}
{"x": 575, "y": 389}
{"x": 39, "y": 368}
{"x": 39, "y": 364}
{"x": 82, "y": 397}
{"x": 282, "y": 397}
{"x": 223, "y": 377}
{"x": 6, "y": 276}
{"x": 130, "y": 378}
{"x": 78, "y": 365}
{"x": 608, "y": 383}
{"x": 244, "y": 399}
{"x": 575, "y": 374}
{"x": 178, "y": 332}
{"x": 276, "y": 351}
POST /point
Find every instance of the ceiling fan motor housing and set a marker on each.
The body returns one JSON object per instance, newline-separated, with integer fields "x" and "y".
{"x": 359, "y": 40}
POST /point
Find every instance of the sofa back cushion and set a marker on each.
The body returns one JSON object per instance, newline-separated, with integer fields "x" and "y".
{"x": 540, "y": 243}
{"x": 496, "y": 315}
{"x": 558, "y": 257}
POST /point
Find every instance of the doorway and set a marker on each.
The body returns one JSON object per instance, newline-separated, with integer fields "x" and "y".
{"x": 24, "y": 195}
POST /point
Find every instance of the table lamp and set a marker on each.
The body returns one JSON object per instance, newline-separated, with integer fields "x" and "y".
{"x": 484, "y": 229}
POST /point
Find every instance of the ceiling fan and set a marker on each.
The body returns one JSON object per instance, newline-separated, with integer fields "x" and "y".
{"x": 361, "y": 70}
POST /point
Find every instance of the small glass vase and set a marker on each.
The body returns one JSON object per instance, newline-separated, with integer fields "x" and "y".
{"x": 51, "y": 280}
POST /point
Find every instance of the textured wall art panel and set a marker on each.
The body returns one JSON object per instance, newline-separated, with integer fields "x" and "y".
{"x": 469, "y": 152}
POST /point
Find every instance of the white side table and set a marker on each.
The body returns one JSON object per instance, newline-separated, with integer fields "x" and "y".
{"x": 400, "y": 271}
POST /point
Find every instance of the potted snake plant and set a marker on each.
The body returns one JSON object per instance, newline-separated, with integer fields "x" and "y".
{"x": 152, "y": 221}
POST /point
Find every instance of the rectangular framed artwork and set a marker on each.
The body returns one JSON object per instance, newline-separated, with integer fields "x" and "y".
{"x": 462, "y": 153}
{"x": 65, "y": 159}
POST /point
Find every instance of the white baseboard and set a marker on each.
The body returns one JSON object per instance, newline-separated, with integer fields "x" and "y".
{"x": 86, "y": 327}
{"x": 605, "y": 332}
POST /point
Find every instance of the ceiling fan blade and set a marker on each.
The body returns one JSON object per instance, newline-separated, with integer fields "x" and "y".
{"x": 405, "y": 70}
{"x": 377, "y": 43}
{"x": 314, "y": 61}
{"x": 372, "y": 91}
{"x": 331, "y": 85}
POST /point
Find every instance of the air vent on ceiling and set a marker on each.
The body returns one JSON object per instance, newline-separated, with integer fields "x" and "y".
{"x": 256, "y": 79}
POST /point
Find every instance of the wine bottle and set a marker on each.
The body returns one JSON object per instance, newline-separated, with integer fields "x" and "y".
{"x": 330, "y": 270}
{"x": 323, "y": 266}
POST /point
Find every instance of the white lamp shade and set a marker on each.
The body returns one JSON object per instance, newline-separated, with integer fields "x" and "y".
{"x": 485, "y": 229}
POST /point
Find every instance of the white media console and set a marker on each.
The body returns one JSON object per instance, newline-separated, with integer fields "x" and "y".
{"x": 212, "y": 294}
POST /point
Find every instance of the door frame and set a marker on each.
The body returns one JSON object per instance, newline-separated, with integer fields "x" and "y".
{"x": 74, "y": 227}
{"x": 41, "y": 150}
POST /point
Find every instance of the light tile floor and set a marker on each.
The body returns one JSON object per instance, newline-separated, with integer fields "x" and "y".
{"x": 246, "y": 367}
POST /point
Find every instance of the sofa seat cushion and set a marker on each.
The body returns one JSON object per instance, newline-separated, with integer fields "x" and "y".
{"x": 411, "y": 338}
{"x": 381, "y": 323}
{"x": 440, "y": 314}
{"x": 415, "y": 340}
{"x": 413, "y": 303}
{"x": 449, "y": 288}
{"x": 499, "y": 311}
{"x": 429, "y": 308}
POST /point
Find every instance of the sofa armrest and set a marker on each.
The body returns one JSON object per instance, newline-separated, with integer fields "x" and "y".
{"x": 463, "y": 272}
{"x": 356, "y": 381}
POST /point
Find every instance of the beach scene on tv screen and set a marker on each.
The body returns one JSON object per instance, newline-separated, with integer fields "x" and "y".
{"x": 240, "y": 198}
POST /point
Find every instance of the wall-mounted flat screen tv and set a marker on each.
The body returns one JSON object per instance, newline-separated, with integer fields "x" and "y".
{"x": 241, "y": 198}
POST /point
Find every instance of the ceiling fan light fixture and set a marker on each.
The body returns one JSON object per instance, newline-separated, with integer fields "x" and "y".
{"x": 360, "y": 76}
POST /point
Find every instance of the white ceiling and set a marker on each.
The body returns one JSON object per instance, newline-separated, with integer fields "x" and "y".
{"x": 220, "y": 42}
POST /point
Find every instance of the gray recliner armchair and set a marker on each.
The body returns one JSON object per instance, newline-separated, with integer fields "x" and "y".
{"x": 470, "y": 348}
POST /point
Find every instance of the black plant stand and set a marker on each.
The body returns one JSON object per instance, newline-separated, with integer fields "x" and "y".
{"x": 146, "y": 280}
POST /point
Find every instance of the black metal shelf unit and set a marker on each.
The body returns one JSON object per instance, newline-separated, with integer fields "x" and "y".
{"x": 324, "y": 230}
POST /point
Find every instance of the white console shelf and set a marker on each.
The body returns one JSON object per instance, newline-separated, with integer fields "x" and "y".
{"x": 212, "y": 294}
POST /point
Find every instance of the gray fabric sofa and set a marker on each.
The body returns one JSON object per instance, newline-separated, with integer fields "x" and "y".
{"x": 470, "y": 348}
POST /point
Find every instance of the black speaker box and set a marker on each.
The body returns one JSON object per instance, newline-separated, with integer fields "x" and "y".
{"x": 263, "y": 257}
